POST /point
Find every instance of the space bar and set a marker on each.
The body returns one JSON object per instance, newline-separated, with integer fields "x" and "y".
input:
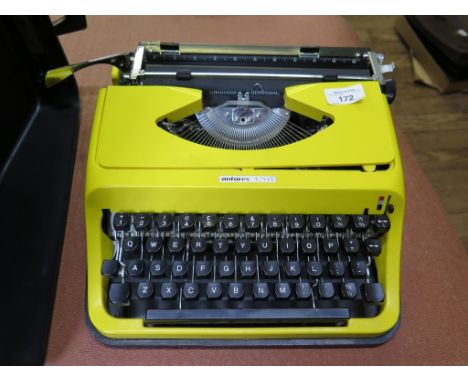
{"x": 245, "y": 316}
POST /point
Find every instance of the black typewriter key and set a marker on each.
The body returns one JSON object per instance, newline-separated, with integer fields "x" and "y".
{"x": 373, "y": 293}
{"x": 119, "y": 293}
{"x": 287, "y": 246}
{"x": 264, "y": 245}
{"x": 208, "y": 222}
{"x": 198, "y": 245}
{"x": 145, "y": 290}
{"x": 252, "y": 223}
{"x": 330, "y": 246}
{"x": 275, "y": 223}
{"x": 109, "y": 268}
{"x": 175, "y": 245}
{"x": 360, "y": 222}
{"x": 358, "y": 268}
{"x": 230, "y": 223}
{"x": 247, "y": 268}
{"x": 164, "y": 222}
{"x": 270, "y": 268}
{"x": 141, "y": 221}
{"x": 236, "y": 291}
{"x": 203, "y": 268}
{"x": 168, "y": 290}
{"x": 226, "y": 268}
{"x": 186, "y": 222}
{"x": 339, "y": 222}
{"x": 260, "y": 291}
{"x": 351, "y": 246}
{"x": 292, "y": 268}
{"x": 179, "y": 268}
{"x": 282, "y": 290}
{"x": 242, "y": 246}
{"x": 190, "y": 291}
{"x": 373, "y": 247}
{"x": 135, "y": 268}
{"x": 336, "y": 268}
{"x": 121, "y": 221}
{"x": 157, "y": 268}
{"x": 303, "y": 291}
{"x": 130, "y": 244}
{"x": 317, "y": 223}
{"x": 348, "y": 290}
{"x": 153, "y": 244}
{"x": 213, "y": 290}
{"x": 382, "y": 224}
{"x": 296, "y": 223}
{"x": 220, "y": 246}
{"x": 309, "y": 246}
{"x": 314, "y": 268}
{"x": 326, "y": 289}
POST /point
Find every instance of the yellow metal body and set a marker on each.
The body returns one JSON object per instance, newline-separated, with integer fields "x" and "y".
{"x": 135, "y": 166}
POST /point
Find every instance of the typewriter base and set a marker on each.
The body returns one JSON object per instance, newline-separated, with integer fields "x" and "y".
{"x": 304, "y": 342}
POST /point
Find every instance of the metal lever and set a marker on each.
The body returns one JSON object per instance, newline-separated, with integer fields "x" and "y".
{"x": 378, "y": 67}
{"x": 121, "y": 61}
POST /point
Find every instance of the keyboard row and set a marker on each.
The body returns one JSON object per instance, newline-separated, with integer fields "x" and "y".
{"x": 242, "y": 245}
{"x": 187, "y": 222}
{"x": 120, "y": 293}
{"x": 356, "y": 268}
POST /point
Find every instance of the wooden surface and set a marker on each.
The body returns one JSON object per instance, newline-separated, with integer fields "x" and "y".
{"x": 435, "y": 125}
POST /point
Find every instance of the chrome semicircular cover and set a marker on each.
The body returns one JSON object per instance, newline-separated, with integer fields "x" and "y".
{"x": 243, "y": 124}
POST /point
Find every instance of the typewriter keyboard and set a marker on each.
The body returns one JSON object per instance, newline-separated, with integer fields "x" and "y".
{"x": 231, "y": 269}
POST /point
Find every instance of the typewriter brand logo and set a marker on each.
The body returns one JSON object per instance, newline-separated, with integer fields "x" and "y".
{"x": 246, "y": 179}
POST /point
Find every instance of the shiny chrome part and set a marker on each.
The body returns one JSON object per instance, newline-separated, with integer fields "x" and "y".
{"x": 137, "y": 63}
{"x": 206, "y": 74}
{"x": 190, "y": 48}
{"x": 378, "y": 67}
{"x": 242, "y": 124}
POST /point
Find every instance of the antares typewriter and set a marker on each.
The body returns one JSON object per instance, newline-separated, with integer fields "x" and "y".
{"x": 243, "y": 195}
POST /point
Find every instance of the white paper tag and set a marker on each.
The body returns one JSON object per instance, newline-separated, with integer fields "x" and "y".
{"x": 246, "y": 179}
{"x": 345, "y": 96}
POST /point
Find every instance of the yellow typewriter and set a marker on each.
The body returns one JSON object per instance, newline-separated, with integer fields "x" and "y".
{"x": 242, "y": 195}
